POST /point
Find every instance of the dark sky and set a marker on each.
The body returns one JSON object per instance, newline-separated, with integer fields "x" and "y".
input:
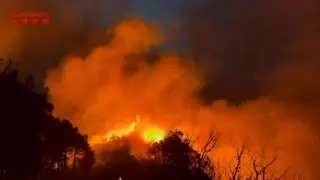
{"x": 247, "y": 48}
{"x": 75, "y": 27}
{"x": 155, "y": 9}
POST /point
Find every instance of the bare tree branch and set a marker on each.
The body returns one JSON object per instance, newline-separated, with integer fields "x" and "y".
{"x": 236, "y": 169}
{"x": 210, "y": 144}
{"x": 261, "y": 168}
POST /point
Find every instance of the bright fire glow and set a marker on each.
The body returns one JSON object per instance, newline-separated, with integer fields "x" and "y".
{"x": 153, "y": 134}
{"x": 148, "y": 134}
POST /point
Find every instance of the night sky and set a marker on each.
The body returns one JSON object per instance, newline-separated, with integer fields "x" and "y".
{"x": 240, "y": 45}
{"x": 154, "y": 9}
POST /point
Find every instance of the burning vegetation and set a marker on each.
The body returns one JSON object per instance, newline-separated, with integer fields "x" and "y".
{"x": 103, "y": 92}
{"x": 129, "y": 109}
{"x": 148, "y": 134}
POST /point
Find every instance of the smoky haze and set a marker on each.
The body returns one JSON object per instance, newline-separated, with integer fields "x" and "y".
{"x": 264, "y": 54}
{"x": 100, "y": 92}
{"x": 256, "y": 48}
{"x": 75, "y": 26}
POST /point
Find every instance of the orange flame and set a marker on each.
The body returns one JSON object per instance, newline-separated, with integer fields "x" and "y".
{"x": 153, "y": 134}
{"x": 148, "y": 133}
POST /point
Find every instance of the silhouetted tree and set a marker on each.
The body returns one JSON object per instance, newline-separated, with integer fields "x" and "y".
{"x": 32, "y": 139}
{"x": 174, "y": 158}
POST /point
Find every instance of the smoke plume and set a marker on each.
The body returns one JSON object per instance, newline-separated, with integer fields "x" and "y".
{"x": 116, "y": 82}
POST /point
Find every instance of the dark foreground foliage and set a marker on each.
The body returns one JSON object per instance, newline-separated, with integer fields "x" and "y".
{"x": 33, "y": 141}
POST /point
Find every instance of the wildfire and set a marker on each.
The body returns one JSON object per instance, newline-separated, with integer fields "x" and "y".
{"x": 153, "y": 134}
{"x": 148, "y": 133}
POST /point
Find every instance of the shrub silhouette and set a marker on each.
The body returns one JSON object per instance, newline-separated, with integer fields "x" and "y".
{"x": 176, "y": 157}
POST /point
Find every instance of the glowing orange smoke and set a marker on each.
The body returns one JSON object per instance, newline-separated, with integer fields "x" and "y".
{"x": 148, "y": 133}
{"x": 98, "y": 92}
